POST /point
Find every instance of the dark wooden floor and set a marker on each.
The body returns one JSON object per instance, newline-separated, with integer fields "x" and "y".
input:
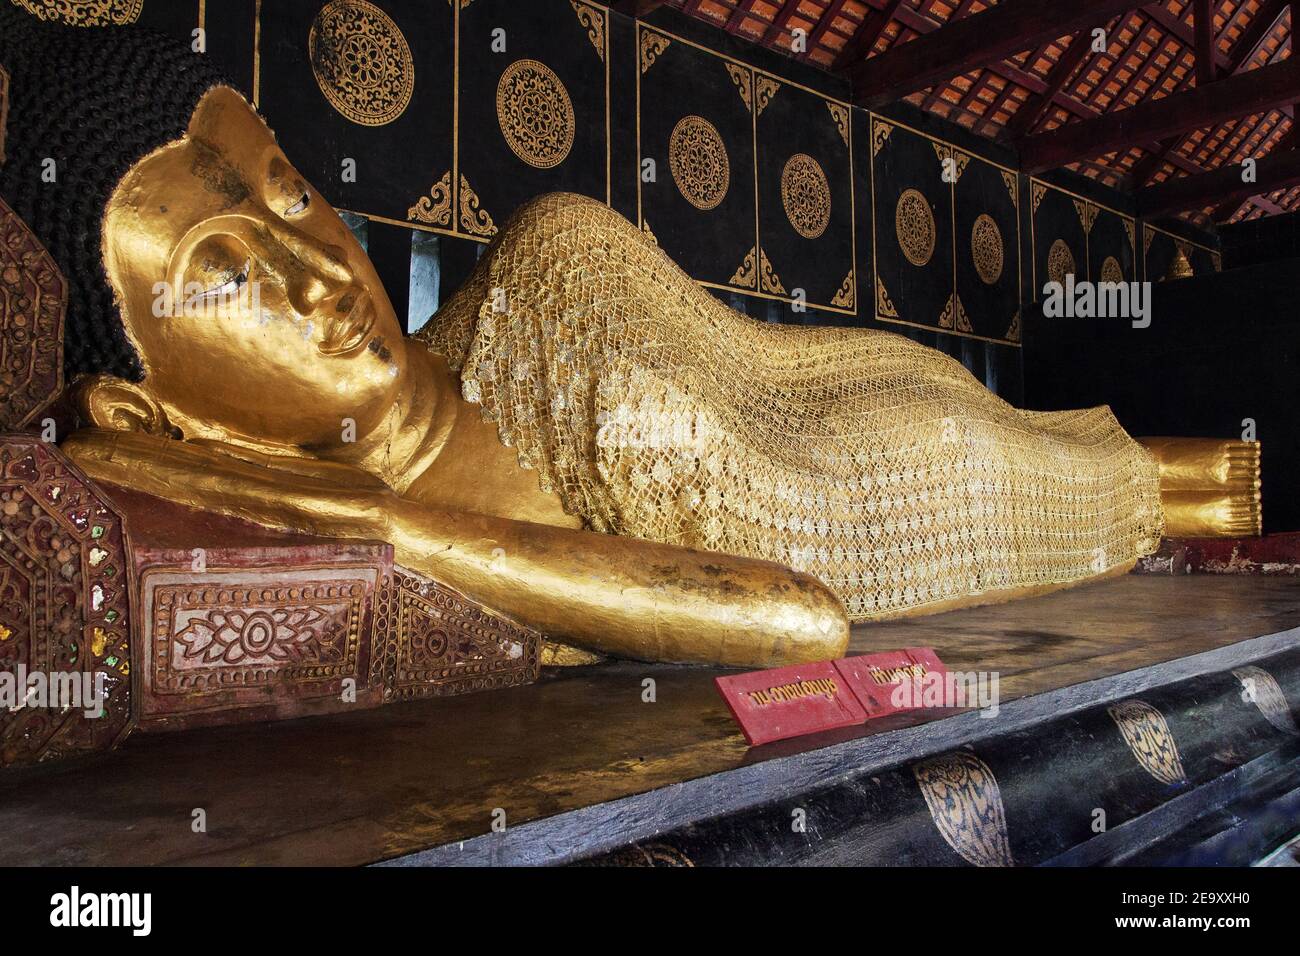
{"x": 356, "y": 788}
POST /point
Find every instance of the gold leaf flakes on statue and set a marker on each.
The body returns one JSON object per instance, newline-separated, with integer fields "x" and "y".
{"x": 652, "y": 44}
{"x": 764, "y": 89}
{"x": 698, "y": 159}
{"x": 474, "y": 219}
{"x": 535, "y": 114}
{"x": 986, "y": 249}
{"x": 806, "y": 195}
{"x": 86, "y": 13}
{"x": 1060, "y": 262}
{"x": 914, "y": 225}
{"x": 965, "y": 804}
{"x": 594, "y": 20}
{"x": 435, "y": 208}
{"x": 1111, "y": 270}
{"x": 361, "y": 61}
{"x": 1147, "y": 735}
{"x": 743, "y": 77}
{"x": 747, "y": 275}
{"x": 840, "y": 114}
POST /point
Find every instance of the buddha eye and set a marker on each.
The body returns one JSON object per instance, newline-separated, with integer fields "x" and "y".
{"x": 299, "y": 207}
{"x": 218, "y": 271}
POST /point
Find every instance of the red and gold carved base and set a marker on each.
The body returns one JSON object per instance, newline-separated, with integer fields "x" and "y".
{"x": 65, "y": 608}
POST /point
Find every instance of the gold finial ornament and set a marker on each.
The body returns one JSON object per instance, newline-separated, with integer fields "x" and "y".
{"x": 535, "y": 114}
{"x": 697, "y": 157}
{"x": 361, "y": 61}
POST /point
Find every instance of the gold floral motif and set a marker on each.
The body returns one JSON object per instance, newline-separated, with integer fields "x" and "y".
{"x": 764, "y": 89}
{"x": 361, "y": 61}
{"x": 914, "y": 224}
{"x": 747, "y": 275}
{"x": 840, "y": 114}
{"x": 986, "y": 249}
{"x": 1130, "y": 229}
{"x": 959, "y": 160}
{"x": 1087, "y": 214}
{"x": 1262, "y": 689}
{"x": 880, "y": 132}
{"x": 86, "y": 13}
{"x": 743, "y": 77}
{"x": 698, "y": 159}
{"x": 1147, "y": 735}
{"x": 594, "y": 20}
{"x": 965, "y": 803}
{"x": 652, "y": 44}
{"x": 884, "y": 304}
{"x": 1148, "y": 236}
{"x": 806, "y": 195}
{"x": 1060, "y": 262}
{"x": 33, "y": 305}
{"x": 847, "y": 296}
{"x": 1012, "y": 182}
{"x": 535, "y": 114}
{"x": 1036, "y": 193}
{"x": 1111, "y": 270}
{"x": 769, "y": 280}
{"x": 435, "y": 208}
{"x": 473, "y": 219}
{"x": 954, "y": 316}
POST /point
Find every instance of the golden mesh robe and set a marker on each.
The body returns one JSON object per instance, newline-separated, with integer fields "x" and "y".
{"x": 876, "y": 464}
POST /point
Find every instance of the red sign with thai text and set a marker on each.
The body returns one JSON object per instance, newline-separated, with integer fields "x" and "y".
{"x": 790, "y": 701}
{"x": 874, "y": 678}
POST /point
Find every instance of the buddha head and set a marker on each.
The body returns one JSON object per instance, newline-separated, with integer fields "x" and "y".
{"x": 212, "y": 292}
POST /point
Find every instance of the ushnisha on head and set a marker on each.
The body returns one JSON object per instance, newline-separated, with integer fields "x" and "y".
{"x": 213, "y": 292}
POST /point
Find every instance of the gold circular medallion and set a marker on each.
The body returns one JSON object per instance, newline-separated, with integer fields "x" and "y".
{"x": 986, "y": 249}
{"x": 697, "y": 157}
{"x": 535, "y": 114}
{"x": 86, "y": 13}
{"x": 1060, "y": 262}
{"x": 1111, "y": 271}
{"x": 914, "y": 223}
{"x": 362, "y": 62}
{"x": 806, "y": 195}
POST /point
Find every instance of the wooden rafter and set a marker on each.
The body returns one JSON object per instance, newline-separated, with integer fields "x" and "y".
{"x": 1276, "y": 171}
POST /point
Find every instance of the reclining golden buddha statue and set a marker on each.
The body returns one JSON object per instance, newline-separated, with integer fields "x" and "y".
{"x": 581, "y": 438}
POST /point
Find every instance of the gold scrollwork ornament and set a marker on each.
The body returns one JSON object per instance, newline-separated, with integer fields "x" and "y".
{"x": 806, "y": 195}
{"x": 535, "y": 114}
{"x": 361, "y": 61}
{"x": 698, "y": 160}
{"x": 1060, "y": 262}
{"x": 914, "y": 224}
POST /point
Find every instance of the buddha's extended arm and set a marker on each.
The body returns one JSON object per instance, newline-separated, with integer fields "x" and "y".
{"x": 622, "y": 596}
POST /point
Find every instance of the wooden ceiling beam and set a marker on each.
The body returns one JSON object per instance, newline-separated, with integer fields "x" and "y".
{"x": 1219, "y": 186}
{"x": 829, "y": 17}
{"x": 637, "y": 8}
{"x": 1270, "y": 87}
{"x": 971, "y": 43}
{"x": 780, "y": 21}
{"x": 864, "y": 40}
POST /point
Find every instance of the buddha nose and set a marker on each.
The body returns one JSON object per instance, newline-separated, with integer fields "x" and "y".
{"x": 318, "y": 270}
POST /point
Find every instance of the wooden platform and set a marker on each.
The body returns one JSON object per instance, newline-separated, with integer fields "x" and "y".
{"x": 358, "y": 788}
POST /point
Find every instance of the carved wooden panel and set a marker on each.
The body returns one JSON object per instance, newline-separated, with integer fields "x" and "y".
{"x": 65, "y": 609}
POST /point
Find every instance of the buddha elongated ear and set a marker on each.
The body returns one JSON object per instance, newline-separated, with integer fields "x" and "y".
{"x": 118, "y": 405}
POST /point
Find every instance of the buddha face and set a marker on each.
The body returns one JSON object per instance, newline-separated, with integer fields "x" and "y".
{"x": 256, "y": 313}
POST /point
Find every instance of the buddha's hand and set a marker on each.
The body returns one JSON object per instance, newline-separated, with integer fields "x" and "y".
{"x": 295, "y": 494}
